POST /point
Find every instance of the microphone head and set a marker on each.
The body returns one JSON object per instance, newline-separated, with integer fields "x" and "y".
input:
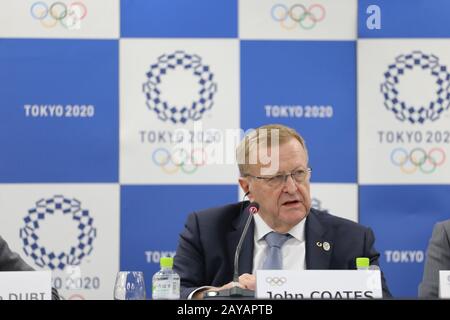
{"x": 253, "y": 208}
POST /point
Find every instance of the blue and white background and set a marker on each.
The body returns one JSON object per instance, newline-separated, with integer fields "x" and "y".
{"x": 97, "y": 95}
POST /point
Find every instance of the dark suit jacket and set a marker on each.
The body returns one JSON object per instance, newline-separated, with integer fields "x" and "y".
{"x": 10, "y": 261}
{"x": 205, "y": 253}
{"x": 438, "y": 258}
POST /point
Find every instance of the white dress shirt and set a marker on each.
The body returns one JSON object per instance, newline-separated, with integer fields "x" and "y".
{"x": 293, "y": 250}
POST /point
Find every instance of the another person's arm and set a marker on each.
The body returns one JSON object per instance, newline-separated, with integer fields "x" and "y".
{"x": 438, "y": 258}
{"x": 11, "y": 261}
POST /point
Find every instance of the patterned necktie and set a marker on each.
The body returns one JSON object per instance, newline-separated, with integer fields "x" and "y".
{"x": 274, "y": 258}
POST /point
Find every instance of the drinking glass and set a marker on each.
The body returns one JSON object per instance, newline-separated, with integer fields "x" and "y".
{"x": 129, "y": 286}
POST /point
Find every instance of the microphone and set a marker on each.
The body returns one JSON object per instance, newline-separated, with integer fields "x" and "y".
{"x": 236, "y": 291}
{"x": 252, "y": 209}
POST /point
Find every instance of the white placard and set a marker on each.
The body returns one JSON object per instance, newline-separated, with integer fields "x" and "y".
{"x": 444, "y": 284}
{"x": 25, "y": 285}
{"x": 318, "y": 284}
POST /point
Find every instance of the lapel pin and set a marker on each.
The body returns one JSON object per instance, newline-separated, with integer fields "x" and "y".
{"x": 319, "y": 244}
{"x": 326, "y": 246}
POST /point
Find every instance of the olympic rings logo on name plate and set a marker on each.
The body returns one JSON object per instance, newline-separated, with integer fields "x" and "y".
{"x": 298, "y": 15}
{"x": 418, "y": 159}
{"x": 68, "y": 16}
{"x": 276, "y": 281}
{"x": 182, "y": 159}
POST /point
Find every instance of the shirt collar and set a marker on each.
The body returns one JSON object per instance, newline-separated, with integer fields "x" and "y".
{"x": 261, "y": 229}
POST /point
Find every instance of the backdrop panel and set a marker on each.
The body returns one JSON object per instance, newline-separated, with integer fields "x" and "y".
{"x": 129, "y": 111}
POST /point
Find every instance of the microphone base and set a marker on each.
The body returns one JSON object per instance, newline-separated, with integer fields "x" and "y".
{"x": 233, "y": 293}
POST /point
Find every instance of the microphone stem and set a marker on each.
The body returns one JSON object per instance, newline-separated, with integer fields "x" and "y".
{"x": 238, "y": 249}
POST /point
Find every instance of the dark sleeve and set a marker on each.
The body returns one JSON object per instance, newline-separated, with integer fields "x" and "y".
{"x": 11, "y": 261}
{"x": 189, "y": 258}
{"x": 374, "y": 256}
{"x": 438, "y": 258}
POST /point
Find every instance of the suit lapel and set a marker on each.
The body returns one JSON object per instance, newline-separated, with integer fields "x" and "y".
{"x": 319, "y": 246}
{"x": 246, "y": 255}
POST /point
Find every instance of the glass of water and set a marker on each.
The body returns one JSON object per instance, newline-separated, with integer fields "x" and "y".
{"x": 129, "y": 286}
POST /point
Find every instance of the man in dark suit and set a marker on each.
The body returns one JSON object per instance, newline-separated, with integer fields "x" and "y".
{"x": 11, "y": 261}
{"x": 274, "y": 172}
{"x": 438, "y": 258}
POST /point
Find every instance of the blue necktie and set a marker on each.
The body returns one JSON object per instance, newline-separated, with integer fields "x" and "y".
{"x": 274, "y": 259}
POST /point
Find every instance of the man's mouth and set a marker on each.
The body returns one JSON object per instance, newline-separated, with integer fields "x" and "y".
{"x": 291, "y": 203}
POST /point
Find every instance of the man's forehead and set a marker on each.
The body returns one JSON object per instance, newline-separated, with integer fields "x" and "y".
{"x": 280, "y": 166}
{"x": 277, "y": 158}
{"x": 274, "y": 146}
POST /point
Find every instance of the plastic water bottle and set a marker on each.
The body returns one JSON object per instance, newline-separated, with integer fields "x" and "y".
{"x": 362, "y": 263}
{"x": 166, "y": 282}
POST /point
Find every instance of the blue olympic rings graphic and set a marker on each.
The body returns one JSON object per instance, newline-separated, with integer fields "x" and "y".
{"x": 418, "y": 158}
{"x": 182, "y": 159}
{"x": 298, "y": 15}
{"x": 69, "y": 16}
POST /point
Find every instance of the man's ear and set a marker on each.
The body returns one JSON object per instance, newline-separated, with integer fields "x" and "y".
{"x": 244, "y": 184}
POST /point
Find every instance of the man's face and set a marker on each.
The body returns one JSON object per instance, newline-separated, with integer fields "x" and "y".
{"x": 284, "y": 206}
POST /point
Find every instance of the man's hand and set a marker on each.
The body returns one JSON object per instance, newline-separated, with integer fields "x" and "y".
{"x": 246, "y": 281}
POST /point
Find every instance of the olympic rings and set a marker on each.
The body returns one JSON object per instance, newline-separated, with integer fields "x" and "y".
{"x": 179, "y": 158}
{"x": 418, "y": 158}
{"x": 298, "y": 15}
{"x": 276, "y": 281}
{"x": 68, "y": 16}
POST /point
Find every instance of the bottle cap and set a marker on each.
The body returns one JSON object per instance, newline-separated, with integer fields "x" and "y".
{"x": 362, "y": 262}
{"x": 166, "y": 262}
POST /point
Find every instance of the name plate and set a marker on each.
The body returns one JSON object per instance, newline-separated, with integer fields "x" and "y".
{"x": 444, "y": 284}
{"x": 25, "y": 285}
{"x": 318, "y": 284}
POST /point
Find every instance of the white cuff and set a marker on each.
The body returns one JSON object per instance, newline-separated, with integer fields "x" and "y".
{"x": 197, "y": 290}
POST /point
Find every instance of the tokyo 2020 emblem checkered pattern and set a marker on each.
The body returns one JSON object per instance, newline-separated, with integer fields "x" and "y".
{"x": 407, "y": 112}
{"x": 180, "y": 114}
{"x": 46, "y": 257}
{"x": 93, "y": 94}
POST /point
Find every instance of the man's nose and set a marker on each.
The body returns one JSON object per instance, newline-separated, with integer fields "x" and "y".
{"x": 289, "y": 184}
